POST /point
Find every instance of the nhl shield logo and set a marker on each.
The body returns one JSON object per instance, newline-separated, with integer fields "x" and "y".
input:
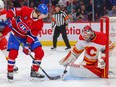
{"x": 25, "y": 17}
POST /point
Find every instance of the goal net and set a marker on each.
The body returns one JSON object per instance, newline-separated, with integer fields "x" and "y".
{"x": 108, "y": 26}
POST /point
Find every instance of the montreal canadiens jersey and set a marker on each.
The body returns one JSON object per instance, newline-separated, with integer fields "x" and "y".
{"x": 91, "y": 48}
{"x": 24, "y": 25}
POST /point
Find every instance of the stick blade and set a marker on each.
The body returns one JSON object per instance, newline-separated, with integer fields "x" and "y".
{"x": 55, "y": 77}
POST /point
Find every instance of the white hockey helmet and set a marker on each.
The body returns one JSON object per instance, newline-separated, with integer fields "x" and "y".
{"x": 1, "y": 4}
{"x": 87, "y": 33}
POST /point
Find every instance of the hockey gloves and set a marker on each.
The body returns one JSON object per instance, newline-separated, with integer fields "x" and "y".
{"x": 101, "y": 60}
{"x": 70, "y": 58}
{"x": 26, "y": 49}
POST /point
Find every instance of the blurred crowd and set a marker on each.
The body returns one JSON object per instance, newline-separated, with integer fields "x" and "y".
{"x": 77, "y": 10}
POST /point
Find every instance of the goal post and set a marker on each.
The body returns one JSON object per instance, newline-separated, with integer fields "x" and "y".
{"x": 108, "y": 26}
{"x": 104, "y": 27}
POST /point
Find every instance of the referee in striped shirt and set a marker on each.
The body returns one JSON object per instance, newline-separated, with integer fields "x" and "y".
{"x": 60, "y": 22}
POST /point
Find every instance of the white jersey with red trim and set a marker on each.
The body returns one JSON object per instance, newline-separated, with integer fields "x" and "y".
{"x": 91, "y": 48}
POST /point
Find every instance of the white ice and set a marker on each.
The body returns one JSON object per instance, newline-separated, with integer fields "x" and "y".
{"x": 51, "y": 66}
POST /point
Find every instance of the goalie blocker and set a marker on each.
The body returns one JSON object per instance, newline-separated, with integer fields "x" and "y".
{"x": 93, "y": 65}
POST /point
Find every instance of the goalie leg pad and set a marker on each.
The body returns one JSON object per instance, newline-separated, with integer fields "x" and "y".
{"x": 70, "y": 58}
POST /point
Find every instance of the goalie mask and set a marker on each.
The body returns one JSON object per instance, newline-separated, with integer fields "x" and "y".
{"x": 87, "y": 33}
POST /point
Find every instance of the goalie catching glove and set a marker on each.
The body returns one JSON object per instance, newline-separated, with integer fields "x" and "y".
{"x": 70, "y": 58}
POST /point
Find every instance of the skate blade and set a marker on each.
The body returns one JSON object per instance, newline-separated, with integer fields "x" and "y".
{"x": 36, "y": 79}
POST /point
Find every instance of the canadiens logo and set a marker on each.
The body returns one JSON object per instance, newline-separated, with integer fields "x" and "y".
{"x": 23, "y": 27}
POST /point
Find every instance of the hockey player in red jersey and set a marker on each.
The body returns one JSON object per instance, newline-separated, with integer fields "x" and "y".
{"x": 26, "y": 25}
{"x": 4, "y": 27}
{"x": 92, "y": 43}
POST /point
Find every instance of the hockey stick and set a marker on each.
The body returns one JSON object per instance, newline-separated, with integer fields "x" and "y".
{"x": 50, "y": 77}
{"x": 64, "y": 72}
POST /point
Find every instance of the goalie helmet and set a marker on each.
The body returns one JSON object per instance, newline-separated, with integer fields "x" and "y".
{"x": 1, "y": 4}
{"x": 87, "y": 33}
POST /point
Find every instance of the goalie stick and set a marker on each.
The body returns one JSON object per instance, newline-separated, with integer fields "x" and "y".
{"x": 50, "y": 77}
{"x": 64, "y": 72}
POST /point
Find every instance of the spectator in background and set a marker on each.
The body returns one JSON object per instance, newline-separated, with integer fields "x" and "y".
{"x": 44, "y": 1}
{"x": 63, "y": 2}
{"x": 16, "y": 3}
{"x": 54, "y": 2}
{"x": 84, "y": 13}
{"x": 112, "y": 12}
{"x": 63, "y": 8}
{"x": 69, "y": 7}
{"x": 108, "y": 5}
{"x": 89, "y": 11}
{"x": 32, "y": 4}
{"x": 86, "y": 3}
{"x": 10, "y": 5}
{"x": 74, "y": 15}
{"x": 99, "y": 6}
{"x": 23, "y": 3}
{"x": 113, "y": 2}
{"x": 81, "y": 18}
{"x": 78, "y": 12}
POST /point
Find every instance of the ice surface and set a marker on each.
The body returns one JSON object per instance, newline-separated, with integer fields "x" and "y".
{"x": 51, "y": 66}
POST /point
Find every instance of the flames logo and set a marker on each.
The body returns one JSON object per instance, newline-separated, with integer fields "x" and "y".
{"x": 92, "y": 51}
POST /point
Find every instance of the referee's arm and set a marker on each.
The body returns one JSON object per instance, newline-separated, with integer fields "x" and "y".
{"x": 66, "y": 18}
{"x": 53, "y": 21}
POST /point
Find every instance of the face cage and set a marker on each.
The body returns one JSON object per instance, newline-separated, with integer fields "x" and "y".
{"x": 87, "y": 35}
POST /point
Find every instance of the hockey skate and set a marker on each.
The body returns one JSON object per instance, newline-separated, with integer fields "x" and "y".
{"x": 15, "y": 68}
{"x": 68, "y": 48}
{"x": 10, "y": 75}
{"x": 35, "y": 74}
{"x": 53, "y": 48}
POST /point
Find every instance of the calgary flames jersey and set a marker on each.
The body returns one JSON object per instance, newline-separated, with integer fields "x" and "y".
{"x": 91, "y": 48}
